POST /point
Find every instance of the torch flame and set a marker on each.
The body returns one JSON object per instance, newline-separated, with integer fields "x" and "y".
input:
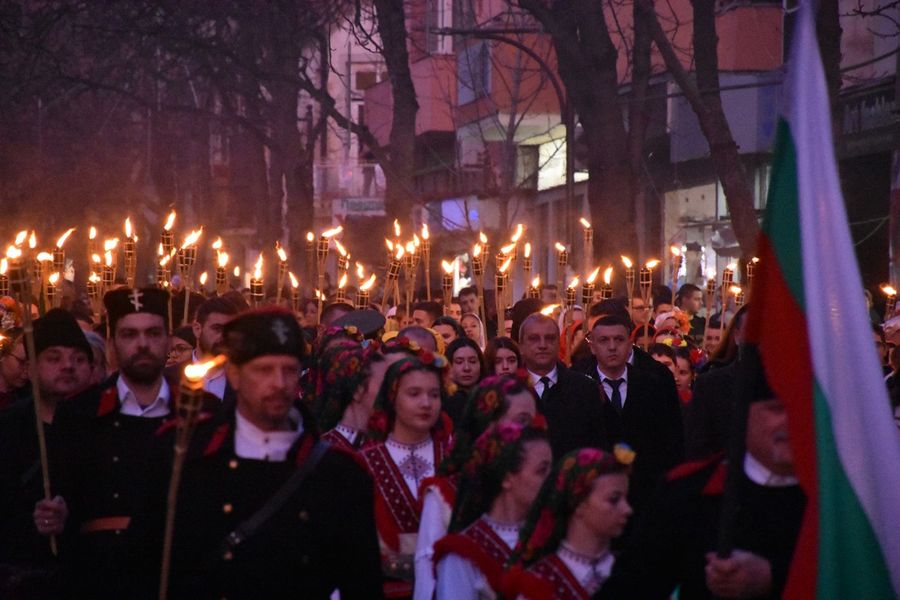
{"x": 340, "y": 248}
{"x": 159, "y": 250}
{"x": 505, "y": 250}
{"x": 675, "y": 250}
{"x": 203, "y": 278}
{"x": 607, "y": 275}
{"x": 237, "y": 271}
{"x": 527, "y": 249}
{"x": 21, "y": 237}
{"x": 257, "y": 268}
{"x": 217, "y": 245}
{"x": 410, "y": 248}
{"x": 368, "y": 284}
{"x": 54, "y": 278}
{"x": 44, "y": 257}
{"x": 332, "y": 232}
{"x": 162, "y": 262}
{"x": 109, "y": 245}
{"x": 735, "y": 289}
{"x": 282, "y": 255}
{"x": 13, "y": 253}
{"x": 94, "y": 278}
{"x": 505, "y": 265}
{"x": 476, "y": 251}
{"x": 191, "y": 239}
{"x": 731, "y": 267}
{"x": 574, "y": 283}
{"x": 889, "y": 290}
{"x": 389, "y": 244}
{"x": 295, "y": 283}
{"x": 96, "y": 258}
{"x": 425, "y": 233}
{"x": 651, "y": 264}
{"x": 560, "y": 247}
{"x": 128, "y": 231}
{"x": 754, "y": 260}
{"x": 92, "y": 233}
{"x": 448, "y": 267}
{"x": 585, "y": 223}
{"x": 593, "y": 276}
{"x": 107, "y": 258}
{"x": 222, "y": 258}
{"x": 170, "y": 221}
{"x": 548, "y": 310}
{"x": 416, "y": 241}
{"x": 4, "y": 266}
{"x": 482, "y": 237}
{"x": 536, "y": 282}
{"x": 62, "y": 239}
{"x": 32, "y": 240}
{"x": 396, "y": 228}
{"x": 520, "y": 229}
{"x": 627, "y": 262}
{"x": 343, "y": 282}
{"x": 310, "y": 236}
{"x": 400, "y": 252}
{"x": 360, "y": 272}
{"x": 196, "y": 372}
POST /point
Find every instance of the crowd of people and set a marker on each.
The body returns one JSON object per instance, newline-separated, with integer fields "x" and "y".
{"x": 410, "y": 454}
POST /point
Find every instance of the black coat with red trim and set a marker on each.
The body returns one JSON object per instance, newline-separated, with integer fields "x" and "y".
{"x": 100, "y": 467}
{"x": 672, "y": 537}
{"x": 323, "y": 538}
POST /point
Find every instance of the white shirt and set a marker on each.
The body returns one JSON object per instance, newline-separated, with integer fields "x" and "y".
{"x": 760, "y": 475}
{"x": 415, "y": 461}
{"x": 252, "y": 442}
{"x": 433, "y": 526}
{"x": 553, "y": 376}
{"x": 130, "y": 406}
{"x": 591, "y": 578}
{"x": 608, "y": 389}
{"x": 214, "y": 381}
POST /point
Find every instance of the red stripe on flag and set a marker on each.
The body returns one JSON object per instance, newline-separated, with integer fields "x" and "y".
{"x": 777, "y": 324}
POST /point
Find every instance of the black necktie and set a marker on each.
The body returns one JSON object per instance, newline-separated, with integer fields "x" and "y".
{"x": 616, "y": 398}
{"x": 546, "y": 382}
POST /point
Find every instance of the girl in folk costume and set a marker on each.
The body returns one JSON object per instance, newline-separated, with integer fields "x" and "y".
{"x": 563, "y": 551}
{"x": 499, "y": 482}
{"x": 503, "y": 399}
{"x": 409, "y": 439}
{"x": 352, "y": 377}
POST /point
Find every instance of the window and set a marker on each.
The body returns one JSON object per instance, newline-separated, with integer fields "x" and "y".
{"x": 364, "y": 80}
{"x": 473, "y": 68}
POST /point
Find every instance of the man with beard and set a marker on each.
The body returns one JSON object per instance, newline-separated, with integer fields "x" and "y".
{"x": 264, "y": 509}
{"x": 63, "y": 369}
{"x": 106, "y": 441}
{"x": 210, "y": 321}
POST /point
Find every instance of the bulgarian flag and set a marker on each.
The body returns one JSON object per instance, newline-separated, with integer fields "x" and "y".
{"x": 809, "y": 320}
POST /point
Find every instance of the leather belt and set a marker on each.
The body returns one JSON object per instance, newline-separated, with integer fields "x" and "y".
{"x": 105, "y": 524}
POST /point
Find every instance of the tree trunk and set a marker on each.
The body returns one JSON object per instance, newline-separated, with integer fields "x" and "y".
{"x": 637, "y": 122}
{"x": 399, "y": 172}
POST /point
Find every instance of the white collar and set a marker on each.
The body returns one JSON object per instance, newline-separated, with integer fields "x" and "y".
{"x": 129, "y": 404}
{"x": 252, "y": 442}
{"x": 604, "y": 376}
{"x": 552, "y": 376}
{"x": 760, "y": 475}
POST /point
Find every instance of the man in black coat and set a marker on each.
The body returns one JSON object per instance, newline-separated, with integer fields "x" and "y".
{"x": 576, "y": 412}
{"x": 674, "y": 541}
{"x": 320, "y": 537}
{"x": 647, "y": 414}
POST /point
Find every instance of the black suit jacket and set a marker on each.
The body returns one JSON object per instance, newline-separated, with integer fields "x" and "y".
{"x": 577, "y": 413}
{"x": 708, "y": 418}
{"x": 650, "y": 423}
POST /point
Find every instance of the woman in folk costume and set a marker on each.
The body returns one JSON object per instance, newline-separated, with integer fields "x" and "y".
{"x": 409, "y": 437}
{"x": 563, "y": 551}
{"x": 503, "y": 399}
{"x": 352, "y": 377}
{"x": 499, "y": 483}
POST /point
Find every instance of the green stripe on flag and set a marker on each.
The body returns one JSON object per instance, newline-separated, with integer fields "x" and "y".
{"x": 782, "y": 220}
{"x": 851, "y": 564}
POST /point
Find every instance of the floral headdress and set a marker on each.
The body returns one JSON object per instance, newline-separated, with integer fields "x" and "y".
{"x": 497, "y": 452}
{"x": 485, "y": 405}
{"x": 670, "y": 337}
{"x": 348, "y": 332}
{"x": 567, "y": 486}
{"x": 343, "y": 369}
{"x": 382, "y": 419}
{"x": 10, "y": 313}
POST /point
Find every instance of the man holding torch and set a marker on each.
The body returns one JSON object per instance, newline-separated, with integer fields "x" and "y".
{"x": 265, "y": 510}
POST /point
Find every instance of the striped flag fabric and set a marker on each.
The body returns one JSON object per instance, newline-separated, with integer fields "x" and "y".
{"x": 809, "y": 320}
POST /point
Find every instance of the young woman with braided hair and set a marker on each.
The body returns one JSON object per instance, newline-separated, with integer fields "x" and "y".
{"x": 499, "y": 482}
